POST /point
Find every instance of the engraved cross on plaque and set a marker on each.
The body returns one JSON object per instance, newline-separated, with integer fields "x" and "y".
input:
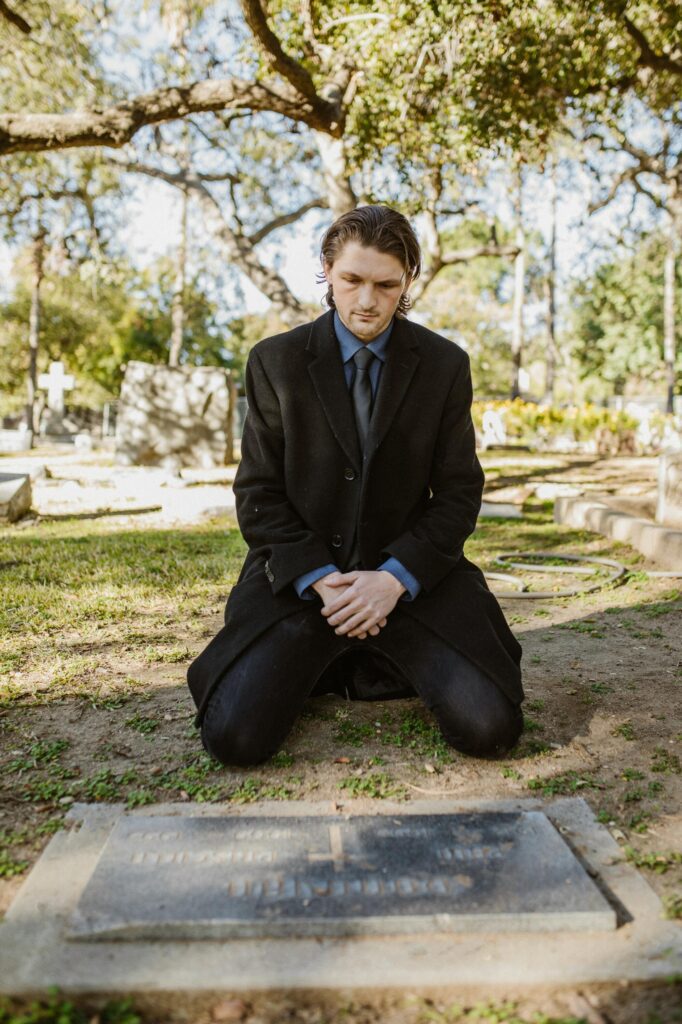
{"x": 336, "y": 846}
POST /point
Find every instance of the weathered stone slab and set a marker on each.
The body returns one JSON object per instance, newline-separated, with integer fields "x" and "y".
{"x": 15, "y": 440}
{"x": 207, "y": 878}
{"x": 174, "y": 416}
{"x": 15, "y": 495}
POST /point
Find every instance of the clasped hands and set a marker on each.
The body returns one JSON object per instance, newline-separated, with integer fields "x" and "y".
{"x": 358, "y": 603}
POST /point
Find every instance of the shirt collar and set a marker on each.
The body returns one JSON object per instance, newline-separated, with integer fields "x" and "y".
{"x": 350, "y": 344}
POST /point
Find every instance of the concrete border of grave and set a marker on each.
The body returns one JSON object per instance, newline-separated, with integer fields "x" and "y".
{"x": 35, "y": 953}
{"x": 15, "y": 495}
{"x": 660, "y": 543}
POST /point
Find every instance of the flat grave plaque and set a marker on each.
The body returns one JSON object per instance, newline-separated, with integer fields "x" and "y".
{"x": 216, "y": 877}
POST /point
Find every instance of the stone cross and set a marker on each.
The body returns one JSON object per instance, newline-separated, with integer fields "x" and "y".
{"x": 337, "y": 855}
{"x": 56, "y": 382}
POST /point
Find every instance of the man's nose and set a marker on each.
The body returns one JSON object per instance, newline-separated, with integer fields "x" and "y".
{"x": 366, "y": 296}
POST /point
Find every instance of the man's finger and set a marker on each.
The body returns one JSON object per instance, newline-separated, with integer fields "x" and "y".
{"x": 361, "y": 621}
{"x": 338, "y": 603}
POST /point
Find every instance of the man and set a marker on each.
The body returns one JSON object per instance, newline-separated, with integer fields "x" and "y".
{"x": 357, "y": 487}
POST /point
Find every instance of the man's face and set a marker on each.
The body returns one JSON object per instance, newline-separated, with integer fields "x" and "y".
{"x": 367, "y": 287}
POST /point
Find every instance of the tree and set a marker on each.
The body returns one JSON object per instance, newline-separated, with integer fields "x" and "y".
{"x": 617, "y": 322}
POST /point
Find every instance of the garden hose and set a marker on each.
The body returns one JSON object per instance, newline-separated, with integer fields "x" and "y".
{"x": 521, "y": 591}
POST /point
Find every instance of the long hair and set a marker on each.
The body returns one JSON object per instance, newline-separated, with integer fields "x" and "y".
{"x": 378, "y": 227}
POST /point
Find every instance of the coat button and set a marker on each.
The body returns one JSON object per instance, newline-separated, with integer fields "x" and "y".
{"x": 349, "y": 473}
{"x": 337, "y": 540}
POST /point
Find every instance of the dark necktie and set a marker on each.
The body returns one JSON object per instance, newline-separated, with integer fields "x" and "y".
{"x": 362, "y": 392}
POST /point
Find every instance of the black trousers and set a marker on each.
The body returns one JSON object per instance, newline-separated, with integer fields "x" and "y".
{"x": 260, "y": 695}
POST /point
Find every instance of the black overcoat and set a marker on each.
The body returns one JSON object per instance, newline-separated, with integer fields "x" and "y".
{"x": 302, "y": 486}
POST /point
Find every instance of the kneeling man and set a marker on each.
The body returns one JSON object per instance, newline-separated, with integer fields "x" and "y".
{"x": 357, "y": 488}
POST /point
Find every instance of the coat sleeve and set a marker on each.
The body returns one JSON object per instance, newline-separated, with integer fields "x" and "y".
{"x": 267, "y": 519}
{"x": 432, "y": 547}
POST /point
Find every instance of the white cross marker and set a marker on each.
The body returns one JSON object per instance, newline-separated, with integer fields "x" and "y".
{"x": 56, "y": 382}
{"x": 336, "y": 846}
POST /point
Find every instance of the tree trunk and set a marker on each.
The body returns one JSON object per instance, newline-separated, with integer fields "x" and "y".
{"x": 672, "y": 248}
{"x": 37, "y": 265}
{"x": 519, "y": 277}
{"x": 178, "y": 304}
{"x": 551, "y": 353}
{"x": 335, "y": 173}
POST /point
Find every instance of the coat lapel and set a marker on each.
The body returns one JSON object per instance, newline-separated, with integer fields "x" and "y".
{"x": 326, "y": 370}
{"x": 401, "y": 362}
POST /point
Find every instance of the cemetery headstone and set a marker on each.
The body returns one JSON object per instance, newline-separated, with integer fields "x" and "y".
{"x": 173, "y": 416}
{"x": 163, "y": 877}
{"x": 15, "y": 496}
{"x": 57, "y": 383}
{"x": 494, "y": 430}
{"x": 19, "y": 440}
{"x": 669, "y": 507}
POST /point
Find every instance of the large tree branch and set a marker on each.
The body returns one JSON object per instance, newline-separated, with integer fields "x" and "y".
{"x": 8, "y": 14}
{"x": 285, "y": 65}
{"x": 116, "y": 125}
{"x": 474, "y": 251}
{"x": 239, "y": 246}
{"x": 647, "y": 55}
{"x": 287, "y": 218}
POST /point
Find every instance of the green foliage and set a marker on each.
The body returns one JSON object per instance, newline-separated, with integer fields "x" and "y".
{"x": 618, "y": 321}
{"x": 538, "y": 425}
{"x": 97, "y": 325}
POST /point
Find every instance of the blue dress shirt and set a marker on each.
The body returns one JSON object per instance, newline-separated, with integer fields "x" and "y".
{"x": 349, "y": 345}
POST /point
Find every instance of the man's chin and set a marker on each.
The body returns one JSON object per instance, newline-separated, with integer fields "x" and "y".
{"x": 367, "y": 328}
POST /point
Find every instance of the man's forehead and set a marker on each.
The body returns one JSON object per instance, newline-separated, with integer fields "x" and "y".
{"x": 367, "y": 260}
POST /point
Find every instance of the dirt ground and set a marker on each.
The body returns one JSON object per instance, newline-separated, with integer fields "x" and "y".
{"x": 105, "y": 714}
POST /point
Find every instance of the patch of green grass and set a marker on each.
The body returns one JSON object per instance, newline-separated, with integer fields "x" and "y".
{"x": 672, "y": 905}
{"x": 665, "y": 762}
{"x": 106, "y": 784}
{"x": 378, "y": 785}
{"x": 485, "y": 1013}
{"x": 511, "y": 773}
{"x": 625, "y": 729}
{"x": 601, "y": 688}
{"x": 414, "y": 733}
{"x": 167, "y": 655}
{"x": 252, "y": 789}
{"x": 535, "y": 705}
{"x": 54, "y": 1009}
{"x": 142, "y": 724}
{"x": 9, "y": 866}
{"x": 658, "y": 862}
{"x": 632, "y": 775}
{"x": 561, "y": 785}
{"x": 281, "y": 759}
{"x": 354, "y": 734}
{"x": 42, "y": 754}
{"x": 531, "y": 725}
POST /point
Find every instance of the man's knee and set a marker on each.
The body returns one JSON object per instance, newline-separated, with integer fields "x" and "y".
{"x": 234, "y": 744}
{"x": 491, "y": 736}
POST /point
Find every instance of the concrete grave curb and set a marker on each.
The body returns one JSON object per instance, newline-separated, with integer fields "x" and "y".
{"x": 34, "y": 953}
{"x": 660, "y": 543}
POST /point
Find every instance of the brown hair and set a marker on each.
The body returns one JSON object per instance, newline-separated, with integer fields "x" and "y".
{"x": 378, "y": 227}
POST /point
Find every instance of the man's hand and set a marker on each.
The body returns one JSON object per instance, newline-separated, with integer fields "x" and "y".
{"x": 357, "y": 603}
{"x": 329, "y": 588}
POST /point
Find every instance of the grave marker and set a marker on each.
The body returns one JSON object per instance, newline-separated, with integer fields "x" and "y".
{"x": 220, "y": 877}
